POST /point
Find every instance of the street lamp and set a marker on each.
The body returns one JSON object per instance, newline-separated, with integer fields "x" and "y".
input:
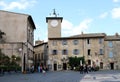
{"x": 20, "y": 49}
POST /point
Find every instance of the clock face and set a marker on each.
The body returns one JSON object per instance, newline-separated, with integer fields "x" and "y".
{"x": 54, "y": 23}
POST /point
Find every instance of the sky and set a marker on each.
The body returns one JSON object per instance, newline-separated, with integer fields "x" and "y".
{"x": 87, "y": 16}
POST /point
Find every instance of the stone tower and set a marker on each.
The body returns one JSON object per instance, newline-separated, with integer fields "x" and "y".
{"x": 54, "y": 25}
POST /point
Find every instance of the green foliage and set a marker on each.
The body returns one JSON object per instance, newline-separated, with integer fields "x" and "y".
{"x": 2, "y": 40}
{"x": 10, "y": 67}
{"x": 75, "y": 61}
{"x": 18, "y": 59}
{"x": 8, "y": 63}
{"x": 97, "y": 68}
{"x": 4, "y": 60}
{"x": 1, "y": 34}
{"x": 77, "y": 68}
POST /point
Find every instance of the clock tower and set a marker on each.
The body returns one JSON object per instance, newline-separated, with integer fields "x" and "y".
{"x": 54, "y": 25}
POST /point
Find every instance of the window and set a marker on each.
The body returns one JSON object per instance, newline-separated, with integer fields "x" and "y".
{"x": 100, "y": 40}
{"x": 89, "y": 51}
{"x": 110, "y": 54}
{"x": 39, "y": 57}
{"x": 110, "y": 44}
{"x": 42, "y": 57}
{"x": 32, "y": 37}
{"x": 76, "y": 51}
{"x": 88, "y": 41}
{"x": 89, "y": 62}
{"x": 64, "y": 52}
{"x": 28, "y": 37}
{"x": 64, "y": 42}
{"x": 54, "y": 52}
{"x": 75, "y": 42}
{"x": 54, "y": 43}
{"x": 101, "y": 51}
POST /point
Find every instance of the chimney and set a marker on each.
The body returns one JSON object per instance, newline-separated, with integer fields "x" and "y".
{"x": 116, "y": 34}
{"x": 82, "y": 33}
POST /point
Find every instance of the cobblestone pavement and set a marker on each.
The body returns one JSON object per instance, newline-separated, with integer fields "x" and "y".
{"x": 63, "y": 76}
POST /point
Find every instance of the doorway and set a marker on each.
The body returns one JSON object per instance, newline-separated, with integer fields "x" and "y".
{"x": 101, "y": 65}
{"x": 55, "y": 67}
{"x": 112, "y": 66}
{"x": 89, "y": 62}
{"x": 64, "y": 66}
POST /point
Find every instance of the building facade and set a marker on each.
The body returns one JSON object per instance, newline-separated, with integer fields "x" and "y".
{"x": 98, "y": 49}
{"x": 19, "y": 36}
{"x": 112, "y": 55}
{"x": 40, "y": 54}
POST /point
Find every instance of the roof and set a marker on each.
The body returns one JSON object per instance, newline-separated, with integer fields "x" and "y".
{"x": 51, "y": 18}
{"x": 31, "y": 21}
{"x": 29, "y": 17}
{"x": 40, "y": 44}
{"x": 81, "y": 36}
{"x": 90, "y": 35}
{"x": 112, "y": 38}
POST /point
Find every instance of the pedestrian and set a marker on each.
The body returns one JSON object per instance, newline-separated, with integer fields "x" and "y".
{"x": 89, "y": 68}
{"x": 81, "y": 69}
{"x": 86, "y": 68}
{"x": 32, "y": 68}
{"x": 39, "y": 68}
{"x": 44, "y": 72}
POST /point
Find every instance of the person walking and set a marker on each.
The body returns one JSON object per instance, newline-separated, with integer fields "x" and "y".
{"x": 39, "y": 68}
{"x": 44, "y": 70}
{"x": 81, "y": 69}
{"x": 32, "y": 69}
{"x": 86, "y": 68}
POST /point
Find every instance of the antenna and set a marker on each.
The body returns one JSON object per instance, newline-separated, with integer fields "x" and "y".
{"x": 54, "y": 13}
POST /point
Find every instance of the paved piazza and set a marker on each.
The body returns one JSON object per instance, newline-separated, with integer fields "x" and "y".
{"x": 63, "y": 76}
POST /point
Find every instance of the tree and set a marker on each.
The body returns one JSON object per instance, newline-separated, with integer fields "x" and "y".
{"x": 75, "y": 61}
{"x": 4, "y": 60}
{"x": 1, "y": 37}
{"x": 1, "y": 34}
{"x": 15, "y": 58}
{"x": 18, "y": 58}
{"x": 7, "y": 63}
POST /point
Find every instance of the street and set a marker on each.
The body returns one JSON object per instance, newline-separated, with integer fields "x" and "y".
{"x": 64, "y": 76}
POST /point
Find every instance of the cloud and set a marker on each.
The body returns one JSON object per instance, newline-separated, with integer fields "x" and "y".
{"x": 103, "y": 15}
{"x": 69, "y": 29}
{"x": 115, "y": 13}
{"x": 116, "y": 1}
{"x": 21, "y": 4}
{"x": 67, "y": 24}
